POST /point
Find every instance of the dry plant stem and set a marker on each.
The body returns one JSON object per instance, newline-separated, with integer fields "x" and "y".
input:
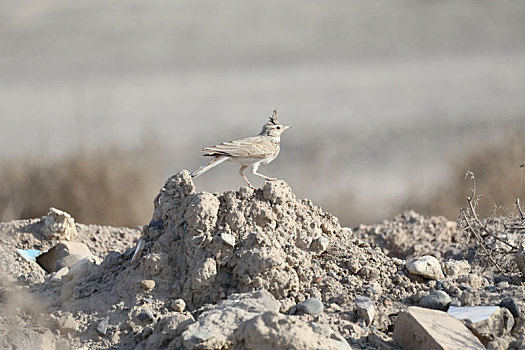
{"x": 484, "y": 228}
{"x": 519, "y": 209}
{"x": 482, "y": 243}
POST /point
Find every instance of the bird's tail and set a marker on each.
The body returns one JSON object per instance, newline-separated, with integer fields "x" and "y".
{"x": 214, "y": 162}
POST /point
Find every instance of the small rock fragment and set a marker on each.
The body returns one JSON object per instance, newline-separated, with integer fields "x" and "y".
{"x": 228, "y": 239}
{"x": 456, "y": 268}
{"x": 178, "y": 305}
{"x": 147, "y": 284}
{"x": 420, "y": 328}
{"x": 311, "y": 306}
{"x": 138, "y": 251}
{"x": 426, "y": 266}
{"x": 319, "y": 245}
{"x": 57, "y": 276}
{"x": 83, "y": 268}
{"x": 146, "y": 316}
{"x": 50, "y": 259}
{"x": 486, "y": 322}
{"x": 510, "y": 304}
{"x": 437, "y": 300}
{"x": 59, "y": 225}
{"x": 102, "y": 326}
{"x": 366, "y": 309}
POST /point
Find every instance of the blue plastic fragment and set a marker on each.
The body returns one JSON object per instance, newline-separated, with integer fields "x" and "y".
{"x": 29, "y": 254}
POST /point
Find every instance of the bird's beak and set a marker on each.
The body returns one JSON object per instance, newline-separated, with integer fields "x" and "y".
{"x": 287, "y": 127}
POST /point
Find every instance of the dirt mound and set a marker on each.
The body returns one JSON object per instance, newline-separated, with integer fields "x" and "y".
{"x": 237, "y": 241}
{"x": 411, "y": 234}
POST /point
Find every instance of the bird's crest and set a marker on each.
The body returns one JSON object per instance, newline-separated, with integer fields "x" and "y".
{"x": 273, "y": 117}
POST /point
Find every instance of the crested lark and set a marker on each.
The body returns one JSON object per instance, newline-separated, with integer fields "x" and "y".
{"x": 249, "y": 152}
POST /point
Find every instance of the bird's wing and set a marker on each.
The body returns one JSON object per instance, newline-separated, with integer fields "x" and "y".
{"x": 250, "y": 147}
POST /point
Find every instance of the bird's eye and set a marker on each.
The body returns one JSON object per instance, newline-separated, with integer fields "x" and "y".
{"x": 278, "y": 128}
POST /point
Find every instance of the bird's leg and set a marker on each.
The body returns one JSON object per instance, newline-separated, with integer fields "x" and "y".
{"x": 255, "y": 167}
{"x": 241, "y": 171}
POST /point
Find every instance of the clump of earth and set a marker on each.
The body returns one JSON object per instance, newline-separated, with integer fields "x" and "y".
{"x": 246, "y": 269}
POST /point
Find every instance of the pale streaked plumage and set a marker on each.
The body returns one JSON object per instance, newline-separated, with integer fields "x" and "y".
{"x": 251, "y": 151}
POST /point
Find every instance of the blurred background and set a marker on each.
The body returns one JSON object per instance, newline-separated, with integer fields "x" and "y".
{"x": 391, "y": 102}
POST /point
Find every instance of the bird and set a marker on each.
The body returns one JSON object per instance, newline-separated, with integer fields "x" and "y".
{"x": 248, "y": 152}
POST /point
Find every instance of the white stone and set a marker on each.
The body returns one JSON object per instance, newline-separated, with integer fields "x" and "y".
{"x": 456, "y": 268}
{"x": 486, "y": 322}
{"x": 426, "y": 266}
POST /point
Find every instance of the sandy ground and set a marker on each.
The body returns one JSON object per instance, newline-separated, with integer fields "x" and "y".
{"x": 242, "y": 261}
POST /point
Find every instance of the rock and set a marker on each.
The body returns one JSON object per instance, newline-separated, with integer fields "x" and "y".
{"x": 83, "y": 268}
{"x": 426, "y": 266}
{"x": 510, "y": 304}
{"x": 102, "y": 326}
{"x": 68, "y": 261}
{"x": 419, "y": 328}
{"x": 437, "y": 300}
{"x": 49, "y": 259}
{"x": 216, "y": 326}
{"x": 454, "y": 268}
{"x": 311, "y": 306}
{"x": 57, "y": 276}
{"x": 486, "y": 322}
{"x": 59, "y": 225}
{"x": 272, "y": 330}
{"x": 146, "y": 316}
{"x": 178, "y": 305}
{"x": 147, "y": 284}
{"x": 366, "y": 309}
{"x": 228, "y": 239}
{"x": 319, "y": 245}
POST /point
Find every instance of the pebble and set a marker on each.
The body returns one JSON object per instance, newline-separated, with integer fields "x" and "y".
{"x": 426, "y": 266}
{"x": 510, "y": 304}
{"x": 439, "y": 285}
{"x": 366, "y": 309}
{"x": 146, "y": 316}
{"x": 102, "y": 326}
{"x": 158, "y": 224}
{"x": 178, "y": 305}
{"x": 437, "y": 300}
{"x": 311, "y": 306}
{"x": 319, "y": 245}
{"x": 57, "y": 277}
{"x": 147, "y": 284}
{"x": 228, "y": 239}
